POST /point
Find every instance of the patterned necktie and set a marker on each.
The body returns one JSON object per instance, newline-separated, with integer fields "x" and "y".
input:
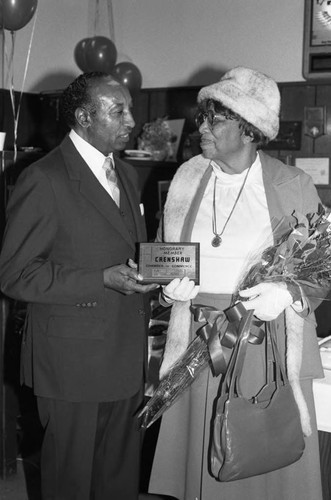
{"x": 112, "y": 180}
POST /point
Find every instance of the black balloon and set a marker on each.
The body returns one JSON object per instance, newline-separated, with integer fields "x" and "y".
{"x": 80, "y": 54}
{"x": 129, "y": 75}
{"x": 15, "y": 14}
{"x": 100, "y": 54}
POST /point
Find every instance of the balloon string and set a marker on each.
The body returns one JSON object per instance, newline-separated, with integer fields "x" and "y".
{"x": 16, "y": 111}
{"x": 96, "y": 16}
{"x": 9, "y": 61}
{"x": 11, "y": 87}
{"x": 2, "y": 162}
{"x": 111, "y": 20}
{"x": 3, "y": 167}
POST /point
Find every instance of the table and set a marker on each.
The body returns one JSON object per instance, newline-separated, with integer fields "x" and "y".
{"x": 322, "y": 395}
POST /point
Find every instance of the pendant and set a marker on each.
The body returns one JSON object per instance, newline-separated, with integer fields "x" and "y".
{"x": 216, "y": 241}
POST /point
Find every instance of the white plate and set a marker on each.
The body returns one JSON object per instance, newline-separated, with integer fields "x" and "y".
{"x": 325, "y": 351}
{"x": 138, "y": 153}
{"x": 326, "y": 359}
{"x": 139, "y": 158}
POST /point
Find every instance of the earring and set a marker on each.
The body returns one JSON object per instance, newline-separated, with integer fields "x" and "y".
{"x": 246, "y": 139}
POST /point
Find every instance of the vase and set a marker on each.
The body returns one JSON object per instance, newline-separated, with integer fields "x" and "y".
{"x": 159, "y": 154}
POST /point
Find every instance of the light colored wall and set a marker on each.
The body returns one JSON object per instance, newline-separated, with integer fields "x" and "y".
{"x": 173, "y": 42}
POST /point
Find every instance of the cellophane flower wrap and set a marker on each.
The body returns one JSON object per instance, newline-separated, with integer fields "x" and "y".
{"x": 178, "y": 379}
{"x": 301, "y": 257}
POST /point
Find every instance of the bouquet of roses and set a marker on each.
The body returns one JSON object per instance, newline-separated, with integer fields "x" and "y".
{"x": 177, "y": 380}
{"x": 301, "y": 257}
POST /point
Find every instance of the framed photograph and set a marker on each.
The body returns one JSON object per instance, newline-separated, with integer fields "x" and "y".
{"x": 320, "y": 23}
{"x": 162, "y": 187}
{"x": 317, "y": 39}
{"x": 177, "y": 129}
{"x": 317, "y": 168}
{"x": 288, "y": 138}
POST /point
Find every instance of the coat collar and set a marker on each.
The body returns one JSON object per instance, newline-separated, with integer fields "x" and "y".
{"x": 191, "y": 179}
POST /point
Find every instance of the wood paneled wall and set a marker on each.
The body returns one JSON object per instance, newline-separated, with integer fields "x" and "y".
{"x": 40, "y": 125}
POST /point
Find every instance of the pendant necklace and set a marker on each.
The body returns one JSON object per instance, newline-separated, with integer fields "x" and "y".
{"x": 217, "y": 240}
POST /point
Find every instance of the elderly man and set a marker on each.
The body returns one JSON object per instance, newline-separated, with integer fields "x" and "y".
{"x": 73, "y": 223}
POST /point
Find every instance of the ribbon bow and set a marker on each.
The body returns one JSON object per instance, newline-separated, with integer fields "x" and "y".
{"x": 221, "y": 331}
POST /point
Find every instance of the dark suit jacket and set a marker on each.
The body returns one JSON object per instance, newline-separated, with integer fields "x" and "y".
{"x": 82, "y": 342}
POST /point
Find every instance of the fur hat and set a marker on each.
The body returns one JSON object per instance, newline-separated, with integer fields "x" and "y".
{"x": 249, "y": 93}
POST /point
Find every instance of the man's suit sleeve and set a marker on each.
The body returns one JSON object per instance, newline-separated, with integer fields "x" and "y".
{"x": 27, "y": 272}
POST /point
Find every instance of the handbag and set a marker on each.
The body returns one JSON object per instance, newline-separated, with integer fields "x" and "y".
{"x": 258, "y": 435}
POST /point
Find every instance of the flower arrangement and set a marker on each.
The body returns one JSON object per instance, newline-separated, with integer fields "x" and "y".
{"x": 301, "y": 256}
{"x": 157, "y": 136}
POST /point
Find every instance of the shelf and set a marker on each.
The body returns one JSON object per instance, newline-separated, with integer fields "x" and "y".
{"x": 151, "y": 163}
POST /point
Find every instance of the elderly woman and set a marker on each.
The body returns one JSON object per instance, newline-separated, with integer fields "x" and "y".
{"x": 228, "y": 199}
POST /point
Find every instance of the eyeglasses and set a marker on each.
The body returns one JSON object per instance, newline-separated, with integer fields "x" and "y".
{"x": 212, "y": 117}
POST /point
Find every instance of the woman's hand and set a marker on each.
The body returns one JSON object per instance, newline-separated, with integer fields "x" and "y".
{"x": 181, "y": 290}
{"x": 268, "y": 300}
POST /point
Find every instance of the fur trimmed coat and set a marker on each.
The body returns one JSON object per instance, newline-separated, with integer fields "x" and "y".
{"x": 287, "y": 189}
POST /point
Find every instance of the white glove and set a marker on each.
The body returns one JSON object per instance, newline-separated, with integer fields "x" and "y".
{"x": 268, "y": 300}
{"x": 181, "y": 290}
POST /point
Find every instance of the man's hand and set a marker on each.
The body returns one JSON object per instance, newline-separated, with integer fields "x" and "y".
{"x": 267, "y": 299}
{"x": 125, "y": 279}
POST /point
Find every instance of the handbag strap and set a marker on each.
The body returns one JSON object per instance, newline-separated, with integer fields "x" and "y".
{"x": 273, "y": 356}
{"x": 274, "y": 364}
{"x": 239, "y": 351}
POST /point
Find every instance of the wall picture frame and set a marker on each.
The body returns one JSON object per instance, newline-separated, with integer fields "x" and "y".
{"x": 162, "y": 188}
{"x": 317, "y": 40}
{"x": 177, "y": 128}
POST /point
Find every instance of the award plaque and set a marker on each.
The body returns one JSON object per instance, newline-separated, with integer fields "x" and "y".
{"x": 162, "y": 262}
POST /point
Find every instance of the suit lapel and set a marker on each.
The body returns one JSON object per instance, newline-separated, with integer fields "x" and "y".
{"x": 92, "y": 190}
